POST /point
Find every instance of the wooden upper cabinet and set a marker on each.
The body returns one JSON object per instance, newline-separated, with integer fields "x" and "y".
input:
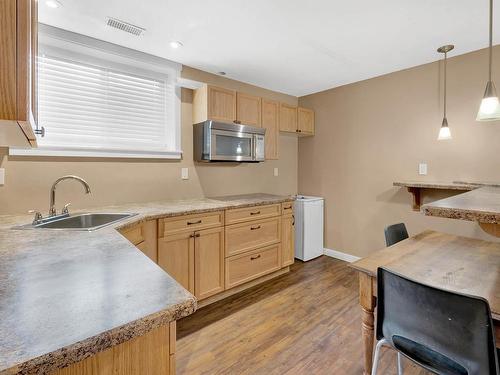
{"x": 214, "y": 103}
{"x": 288, "y": 118}
{"x": 248, "y": 109}
{"x": 209, "y": 262}
{"x": 18, "y": 41}
{"x": 270, "y": 121}
{"x": 305, "y": 121}
{"x": 296, "y": 120}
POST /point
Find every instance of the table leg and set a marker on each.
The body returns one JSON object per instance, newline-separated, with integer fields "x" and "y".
{"x": 367, "y": 302}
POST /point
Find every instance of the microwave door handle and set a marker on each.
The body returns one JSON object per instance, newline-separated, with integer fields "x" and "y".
{"x": 254, "y": 146}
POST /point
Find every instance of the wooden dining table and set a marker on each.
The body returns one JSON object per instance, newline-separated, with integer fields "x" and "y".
{"x": 458, "y": 264}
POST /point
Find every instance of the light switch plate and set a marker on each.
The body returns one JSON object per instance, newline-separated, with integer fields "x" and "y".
{"x": 276, "y": 172}
{"x": 185, "y": 173}
{"x": 2, "y": 176}
{"x": 422, "y": 168}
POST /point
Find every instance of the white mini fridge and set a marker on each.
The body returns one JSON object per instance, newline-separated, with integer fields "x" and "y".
{"x": 308, "y": 227}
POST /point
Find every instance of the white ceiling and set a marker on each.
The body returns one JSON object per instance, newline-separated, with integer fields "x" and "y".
{"x": 293, "y": 46}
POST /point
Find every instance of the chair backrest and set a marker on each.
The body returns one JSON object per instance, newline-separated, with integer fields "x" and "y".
{"x": 445, "y": 332}
{"x": 395, "y": 233}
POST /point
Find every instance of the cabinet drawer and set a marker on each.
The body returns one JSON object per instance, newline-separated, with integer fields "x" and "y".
{"x": 178, "y": 224}
{"x": 252, "y": 235}
{"x": 239, "y": 215}
{"x": 287, "y": 208}
{"x": 134, "y": 234}
{"x": 245, "y": 267}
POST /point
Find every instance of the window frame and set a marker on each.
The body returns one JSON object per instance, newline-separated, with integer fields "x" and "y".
{"x": 68, "y": 45}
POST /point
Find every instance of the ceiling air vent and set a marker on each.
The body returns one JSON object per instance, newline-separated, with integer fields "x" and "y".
{"x": 125, "y": 26}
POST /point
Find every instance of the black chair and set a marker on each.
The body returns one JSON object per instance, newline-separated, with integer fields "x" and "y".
{"x": 395, "y": 233}
{"x": 444, "y": 332}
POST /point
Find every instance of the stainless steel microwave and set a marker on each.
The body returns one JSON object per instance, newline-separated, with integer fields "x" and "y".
{"x": 219, "y": 141}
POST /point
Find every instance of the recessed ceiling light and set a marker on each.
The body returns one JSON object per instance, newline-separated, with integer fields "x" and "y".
{"x": 53, "y": 4}
{"x": 176, "y": 44}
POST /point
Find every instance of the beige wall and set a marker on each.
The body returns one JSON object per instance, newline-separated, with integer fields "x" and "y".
{"x": 374, "y": 132}
{"x": 119, "y": 181}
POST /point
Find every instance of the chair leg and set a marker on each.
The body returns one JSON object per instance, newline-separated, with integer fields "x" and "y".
{"x": 376, "y": 356}
{"x": 400, "y": 364}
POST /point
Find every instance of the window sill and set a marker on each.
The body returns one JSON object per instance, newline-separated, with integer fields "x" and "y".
{"x": 82, "y": 153}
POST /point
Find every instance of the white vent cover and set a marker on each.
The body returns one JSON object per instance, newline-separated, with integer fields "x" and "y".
{"x": 125, "y": 26}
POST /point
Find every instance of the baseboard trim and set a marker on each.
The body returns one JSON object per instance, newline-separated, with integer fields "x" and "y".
{"x": 340, "y": 255}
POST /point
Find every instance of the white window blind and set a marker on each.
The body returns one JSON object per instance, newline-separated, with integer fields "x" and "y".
{"x": 100, "y": 99}
{"x": 89, "y": 106}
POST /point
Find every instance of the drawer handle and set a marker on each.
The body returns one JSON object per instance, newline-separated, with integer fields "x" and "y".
{"x": 255, "y": 228}
{"x": 293, "y": 217}
{"x": 193, "y": 222}
{"x": 287, "y": 208}
{"x": 255, "y": 213}
{"x": 253, "y": 258}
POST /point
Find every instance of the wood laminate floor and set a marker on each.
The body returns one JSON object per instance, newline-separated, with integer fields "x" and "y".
{"x": 305, "y": 322}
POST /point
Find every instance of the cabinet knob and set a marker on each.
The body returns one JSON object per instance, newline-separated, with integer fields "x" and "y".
{"x": 237, "y": 121}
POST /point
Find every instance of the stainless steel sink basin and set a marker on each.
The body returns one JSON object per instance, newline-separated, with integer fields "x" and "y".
{"x": 87, "y": 222}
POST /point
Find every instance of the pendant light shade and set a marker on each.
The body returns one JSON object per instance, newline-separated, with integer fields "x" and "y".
{"x": 490, "y": 107}
{"x": 444, "y": 131}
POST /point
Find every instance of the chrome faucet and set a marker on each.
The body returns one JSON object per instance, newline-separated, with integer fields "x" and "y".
{"x": 52, "y": 209}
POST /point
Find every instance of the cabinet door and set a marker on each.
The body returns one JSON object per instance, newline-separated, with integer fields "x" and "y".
{"x": 176, "y": 257}
{"x": 288, "y": 118}
{"x": 209, "y": 262}
{"x": 305, "y": 120}
{"x": 8, "y": 99}
{"x": 18, "y": 41}
{"x": 248, "y": 109}
{"x": 287, "y": 240}
{"x": 270, "y": 121}
{"x": 221, "y": 104}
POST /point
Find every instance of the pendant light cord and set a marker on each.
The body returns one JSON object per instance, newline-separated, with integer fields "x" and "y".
{"x": 491, "y": 40}
{"x": 445, "y": 55}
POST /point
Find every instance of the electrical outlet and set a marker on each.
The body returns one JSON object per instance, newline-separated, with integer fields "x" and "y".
{"x": 422, "y": 169}
{"x": 185, "y": 173}
{"x": 2, "y": 176}
{"x": 276, "y": 172}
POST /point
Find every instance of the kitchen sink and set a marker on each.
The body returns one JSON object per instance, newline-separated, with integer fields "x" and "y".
{"x": 84, "y": 222}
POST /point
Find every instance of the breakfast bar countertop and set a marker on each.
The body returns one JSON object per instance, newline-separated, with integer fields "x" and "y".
{"x": 482, "y": 205}
{"x": 66, "y": 295}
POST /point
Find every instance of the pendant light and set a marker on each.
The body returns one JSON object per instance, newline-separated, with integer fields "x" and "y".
{"x": 444, "y": 132}
{"x": 490, "y": 108}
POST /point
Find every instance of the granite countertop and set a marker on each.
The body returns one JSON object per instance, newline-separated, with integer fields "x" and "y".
{"x": 482, "y": 205}
{"x": 455, "y": 185}
{"x": 66, "y": 295}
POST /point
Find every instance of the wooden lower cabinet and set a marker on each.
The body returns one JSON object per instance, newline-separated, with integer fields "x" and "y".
{"x": 252, "y": 235}
{"x": 287, "y": 240}
{"x": 176, "y": 257}
{"x": 144, "y": 236}
{"x": 195, "y": 260}
{"x": 251, "y": 265}
{"x": 208, "y": 262}
{"x": 150, "y": 354}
